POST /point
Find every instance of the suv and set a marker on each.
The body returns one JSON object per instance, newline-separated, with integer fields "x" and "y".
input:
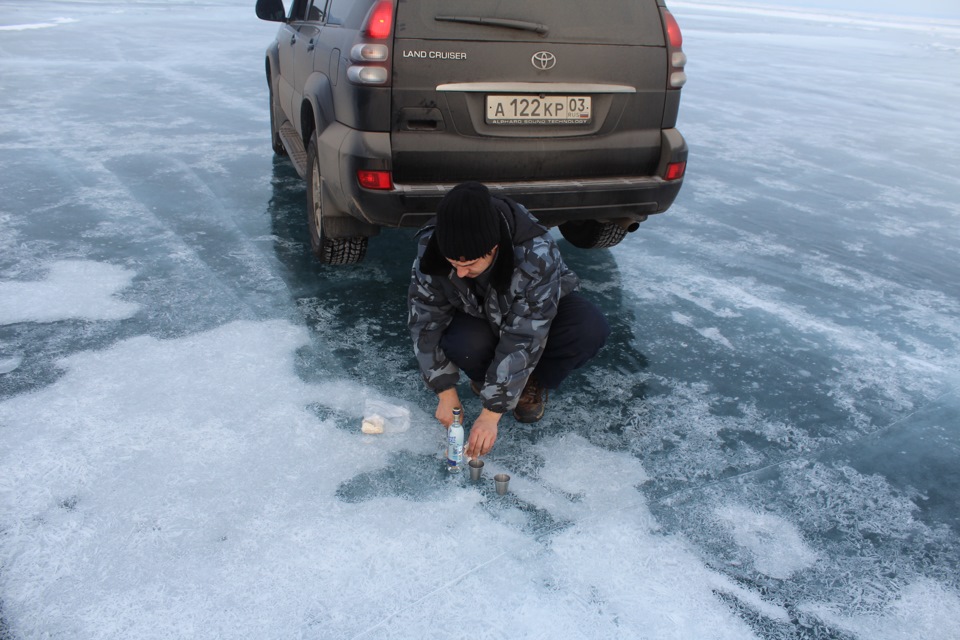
{"x": 568, "y": 107}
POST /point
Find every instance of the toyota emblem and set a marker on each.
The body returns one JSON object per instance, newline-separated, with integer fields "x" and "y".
{"x": 544, "y": 60}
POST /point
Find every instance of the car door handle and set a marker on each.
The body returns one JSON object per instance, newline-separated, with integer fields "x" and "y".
{"x": 421, "y": 119}
{"x": 293, "y": 39}
{"x": 311, "y": 45}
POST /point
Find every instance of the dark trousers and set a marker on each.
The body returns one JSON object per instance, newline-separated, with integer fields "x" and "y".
{"x": 576, "y": 335}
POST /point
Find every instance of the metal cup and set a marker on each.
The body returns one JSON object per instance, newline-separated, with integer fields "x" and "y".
{"x": 502, "y": 480}
{"x": 476, "y": 467}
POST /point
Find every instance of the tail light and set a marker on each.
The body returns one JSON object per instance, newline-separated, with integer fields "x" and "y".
{"x": 380, "y": 180}
{"x": 676, "y": 77}
{"x": 675, "y": 171}
{"x": 379, "y": 22}
{"x": 371, "y": 54}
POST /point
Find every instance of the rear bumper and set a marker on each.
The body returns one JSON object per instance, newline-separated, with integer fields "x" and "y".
{"x": 554, "y": 202}
{"x": 615, "y": 198}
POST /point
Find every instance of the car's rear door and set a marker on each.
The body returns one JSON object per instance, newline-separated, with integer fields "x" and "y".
{"x": 309, "y": 53}
{"x": 286, "y": 45}
{"x": 497, "y": 91}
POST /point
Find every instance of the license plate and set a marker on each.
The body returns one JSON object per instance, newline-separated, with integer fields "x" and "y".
{"x": 538, "y": 109}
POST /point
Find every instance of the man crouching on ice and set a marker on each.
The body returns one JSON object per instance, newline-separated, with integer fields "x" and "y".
{"x": 491, "y": 296}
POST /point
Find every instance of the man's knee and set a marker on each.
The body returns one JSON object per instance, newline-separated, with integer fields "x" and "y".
{"x": 600, "y": 326}
{"x": 583, "y": 324}
{"x": 599, "y": 331}
{"x": 468, "y": 340}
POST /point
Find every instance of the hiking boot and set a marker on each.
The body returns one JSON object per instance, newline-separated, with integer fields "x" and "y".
{"x": 532, "y": 402}
{"x": 475, "y": 387}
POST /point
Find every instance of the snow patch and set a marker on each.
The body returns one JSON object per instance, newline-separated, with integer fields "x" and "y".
{"x": 10, "y": 363}
{"x": 925, "y": 608}
{"x": 73, "y": 289}
{"x": 710, "y": 333}
{"x": 777, "y": 547}
{"x": 170, "y": 488}
{"x": 56, "y": 22}
{"x": 614, "y": 560}
{"x": 713, "y": 334}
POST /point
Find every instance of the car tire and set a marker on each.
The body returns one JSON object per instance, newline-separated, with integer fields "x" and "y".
{"x": 590, "y": 234}
{"x": 327, "y": 250}
{"x": 275, "y": 140}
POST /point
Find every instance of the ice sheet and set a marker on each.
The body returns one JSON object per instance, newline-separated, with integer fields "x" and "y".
{"x": 767, "y": 446}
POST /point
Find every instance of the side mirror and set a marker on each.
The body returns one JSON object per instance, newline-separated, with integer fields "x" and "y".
{"x": 271, "y": 10}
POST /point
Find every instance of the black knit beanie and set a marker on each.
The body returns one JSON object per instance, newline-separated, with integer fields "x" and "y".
{"x": 468, "y": 225}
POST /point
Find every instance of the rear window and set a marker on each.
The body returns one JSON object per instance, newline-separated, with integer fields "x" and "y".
{"x": 557, "y": 21}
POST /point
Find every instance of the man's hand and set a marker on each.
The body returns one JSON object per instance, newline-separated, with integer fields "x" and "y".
{"x": 483, "y": 434}
{"x": 447, "y": 401}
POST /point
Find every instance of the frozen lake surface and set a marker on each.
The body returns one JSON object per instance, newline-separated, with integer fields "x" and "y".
{"x": 768, "y": 447}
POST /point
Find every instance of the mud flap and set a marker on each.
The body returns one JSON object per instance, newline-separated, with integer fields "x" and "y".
{"x": 337, "y": 224}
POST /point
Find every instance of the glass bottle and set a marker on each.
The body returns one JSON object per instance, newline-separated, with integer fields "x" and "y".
{"x": 455, "y": 443}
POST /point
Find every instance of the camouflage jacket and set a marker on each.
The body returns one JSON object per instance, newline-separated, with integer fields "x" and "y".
{"x": 525, "y": 287}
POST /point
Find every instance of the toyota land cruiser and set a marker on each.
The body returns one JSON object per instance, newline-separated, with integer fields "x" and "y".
{"x": 568, "y": 107}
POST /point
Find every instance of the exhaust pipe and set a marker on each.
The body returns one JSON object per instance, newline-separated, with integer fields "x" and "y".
{"x": 629, "y": 224}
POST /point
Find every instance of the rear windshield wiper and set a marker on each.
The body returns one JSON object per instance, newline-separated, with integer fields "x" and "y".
{"x": 542, "y": 29}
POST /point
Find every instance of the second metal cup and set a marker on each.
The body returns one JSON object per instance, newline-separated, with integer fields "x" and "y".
{"x": 502, "y": 480}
